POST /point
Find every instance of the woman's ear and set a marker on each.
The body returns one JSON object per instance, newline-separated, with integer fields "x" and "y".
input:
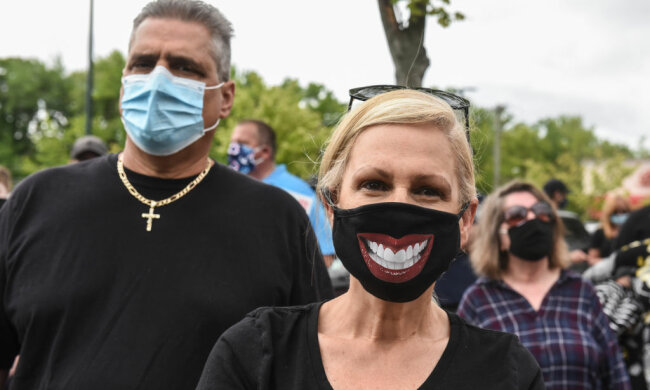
{"x": 328, "y": 198}
{"x": 466, "y": 221}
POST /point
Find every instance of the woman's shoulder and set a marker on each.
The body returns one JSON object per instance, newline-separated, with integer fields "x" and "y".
{"x": 272, "y": 318}
{"x": 494, "y": 356}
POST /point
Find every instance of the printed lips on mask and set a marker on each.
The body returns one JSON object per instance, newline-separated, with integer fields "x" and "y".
{"x": 163, "y": 113}
{"x": 396, "y": 250}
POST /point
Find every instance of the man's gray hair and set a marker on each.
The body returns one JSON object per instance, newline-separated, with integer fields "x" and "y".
{"x": 199, "y": 12}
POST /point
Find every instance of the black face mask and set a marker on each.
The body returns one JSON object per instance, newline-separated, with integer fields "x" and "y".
{"x": 396, "y": 250}
{"x": 532, "y": 240}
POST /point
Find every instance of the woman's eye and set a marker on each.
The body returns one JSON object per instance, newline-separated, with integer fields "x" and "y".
{"x": 374, "y": 185}
{"x": 428, "y": 191}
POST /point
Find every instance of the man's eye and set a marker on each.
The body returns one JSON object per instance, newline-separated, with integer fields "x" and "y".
{"x": 141, "y": 66}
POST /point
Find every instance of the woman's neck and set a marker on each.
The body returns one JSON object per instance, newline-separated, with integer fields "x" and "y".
{"x": 358, "y": 314}
{"x": 524, "y": 271}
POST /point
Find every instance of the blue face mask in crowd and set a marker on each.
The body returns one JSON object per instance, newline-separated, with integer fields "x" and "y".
{"x": 163, "y": 113}
{"x": 241, "y": 158}
{"x": 618, "y": 219}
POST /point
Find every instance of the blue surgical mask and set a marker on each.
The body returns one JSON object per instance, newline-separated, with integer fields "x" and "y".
{"x": 241, "y": 157}
{"x": 618, "y": 219}
{"x": 163, "y": 113}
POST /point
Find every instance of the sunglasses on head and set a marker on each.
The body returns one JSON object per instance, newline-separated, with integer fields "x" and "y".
{"x": 459, "y": 104}
{"x": 516, "y": 215}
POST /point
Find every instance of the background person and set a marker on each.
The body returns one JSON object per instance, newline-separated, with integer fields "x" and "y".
{"x": 87, "y": 147}
{"x": 398, "y": 171}
{"x": 252, "y": 151}
{"x": 616, "y": 209}
{"x": 122, "y": 272}
{"x": 520, "y": 255}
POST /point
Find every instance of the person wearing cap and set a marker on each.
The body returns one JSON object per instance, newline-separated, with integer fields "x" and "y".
{"x": 557, "y": 191}
{"x": 121, "y": 272}
{"x": 87, "y": 147}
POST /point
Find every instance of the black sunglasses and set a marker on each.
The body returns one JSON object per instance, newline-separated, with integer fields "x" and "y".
{"x": 459, "y": 104}
{"x": 516, "y": 215}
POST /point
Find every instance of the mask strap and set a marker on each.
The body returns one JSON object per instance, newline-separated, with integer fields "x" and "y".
{"x": 215, "y": 86}
{"x": 213, "y": 126}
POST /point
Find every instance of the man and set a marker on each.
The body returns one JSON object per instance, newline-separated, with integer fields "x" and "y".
{"x": 557, "y": 191}
{"x": 87, "y": 147}
{"x": 252, "y": 151}
{"x": 122, "y": 272}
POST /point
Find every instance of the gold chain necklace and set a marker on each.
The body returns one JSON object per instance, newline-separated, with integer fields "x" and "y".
{"x": 150, "y": 216}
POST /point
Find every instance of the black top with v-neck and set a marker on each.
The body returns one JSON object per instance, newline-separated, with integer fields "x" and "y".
{"x": 277, "y": 348}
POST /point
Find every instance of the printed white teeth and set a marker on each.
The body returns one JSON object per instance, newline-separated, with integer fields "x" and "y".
{"x": 402, "y": 259}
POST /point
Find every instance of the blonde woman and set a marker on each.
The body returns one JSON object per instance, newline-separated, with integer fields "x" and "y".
{"x": 524, "y": 289}
{"x": 398, "y": 181}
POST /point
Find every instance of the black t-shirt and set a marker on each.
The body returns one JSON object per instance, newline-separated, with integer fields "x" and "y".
{"x": 277, "y": 348}
{"x": 603, "y": 244}
{"x": 635, "y": 228}
{"x": 91, "y": 300}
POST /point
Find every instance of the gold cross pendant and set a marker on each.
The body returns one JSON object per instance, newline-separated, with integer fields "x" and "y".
{"x": 150, "y": 216}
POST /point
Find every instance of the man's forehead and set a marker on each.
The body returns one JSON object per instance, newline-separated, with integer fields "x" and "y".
{"x": 246, "y": 133}
{"x": 168, "y": 36}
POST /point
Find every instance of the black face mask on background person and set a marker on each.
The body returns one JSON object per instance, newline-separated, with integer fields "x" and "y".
{"x": 532, "y": 240}
{"x": 396, "y": 250}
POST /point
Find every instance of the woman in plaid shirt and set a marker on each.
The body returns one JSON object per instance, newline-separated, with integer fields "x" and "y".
{"x": 524, "y": 289}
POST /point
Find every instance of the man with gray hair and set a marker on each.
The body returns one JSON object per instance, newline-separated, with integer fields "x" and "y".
{"x": 122, "y": 272}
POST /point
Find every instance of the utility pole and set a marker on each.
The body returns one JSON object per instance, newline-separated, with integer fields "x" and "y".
{"x": 89, "y": 80}
{"x": 498, "y": 111}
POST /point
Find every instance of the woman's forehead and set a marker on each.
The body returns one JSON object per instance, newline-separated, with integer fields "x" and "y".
{"x": 519, "y": 198}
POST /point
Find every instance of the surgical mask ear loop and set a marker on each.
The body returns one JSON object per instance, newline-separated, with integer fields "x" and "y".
{"x": 218, "y": 119}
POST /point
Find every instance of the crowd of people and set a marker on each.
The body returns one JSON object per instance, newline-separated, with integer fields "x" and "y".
{"x": 156, "y": 267}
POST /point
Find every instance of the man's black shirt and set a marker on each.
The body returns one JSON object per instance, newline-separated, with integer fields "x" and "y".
{"x": 91, "y": 300}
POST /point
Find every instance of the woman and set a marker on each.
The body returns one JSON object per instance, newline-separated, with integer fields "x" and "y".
{"x": 520, "y": 255}
{"x": 615, "y": 212}
{"x": 397, "y": 178}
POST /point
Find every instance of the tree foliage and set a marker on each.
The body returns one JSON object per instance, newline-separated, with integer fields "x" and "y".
{"x": 42, "y": 113}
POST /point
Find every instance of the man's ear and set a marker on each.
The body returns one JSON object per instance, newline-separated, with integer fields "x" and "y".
{"x": 228, "y": 98}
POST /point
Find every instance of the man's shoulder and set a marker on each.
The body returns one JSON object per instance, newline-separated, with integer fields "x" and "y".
{"x": 63, "y": 176}
{"x": 241, "y": 188}
{"x": 282, "y": 178}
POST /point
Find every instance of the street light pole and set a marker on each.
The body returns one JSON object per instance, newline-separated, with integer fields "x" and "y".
{"x": 498, "y": 111}
{"x": 89, "y": 80}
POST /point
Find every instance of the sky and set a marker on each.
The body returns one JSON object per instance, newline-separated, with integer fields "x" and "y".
{"x": 539, "y": 58}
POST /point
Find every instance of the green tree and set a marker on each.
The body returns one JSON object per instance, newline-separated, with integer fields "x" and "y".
{"x": 34, "y": 103}
{"x": 405, "y": 34}
{"x": 301, "y": 117}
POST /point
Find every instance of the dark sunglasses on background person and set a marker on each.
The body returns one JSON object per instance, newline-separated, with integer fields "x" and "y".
{"x": 515, "y": 215}
{"x": 459, "y": 104}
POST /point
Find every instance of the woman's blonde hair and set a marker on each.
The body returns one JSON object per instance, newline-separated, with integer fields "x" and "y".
{"x": 397, "y": 107}
{"x": 485, "y": 253}
{"x": 612, "y": 202}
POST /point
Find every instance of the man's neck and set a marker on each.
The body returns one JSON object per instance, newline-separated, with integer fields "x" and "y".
{"x": 263, "y": 170}
{"x": 188, "y": 162}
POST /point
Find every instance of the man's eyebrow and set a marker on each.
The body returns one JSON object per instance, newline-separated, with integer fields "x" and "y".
{"x": 182, "y": 60}
{"x": 143, "y": 57}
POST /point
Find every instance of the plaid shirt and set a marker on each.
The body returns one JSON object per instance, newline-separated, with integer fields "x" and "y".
{"x": 569, "y": 335}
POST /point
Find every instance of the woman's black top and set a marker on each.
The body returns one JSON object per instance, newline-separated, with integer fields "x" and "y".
{"x": 277, "y": 348}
